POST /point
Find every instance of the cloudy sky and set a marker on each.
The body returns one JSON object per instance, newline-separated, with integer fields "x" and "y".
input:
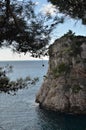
{"x": 44, "y": 6}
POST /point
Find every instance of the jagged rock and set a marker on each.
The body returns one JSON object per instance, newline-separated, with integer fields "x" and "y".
{"x": 64, "y": 88}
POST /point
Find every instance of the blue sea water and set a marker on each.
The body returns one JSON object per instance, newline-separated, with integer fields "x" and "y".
{"x": 20, "y": 112}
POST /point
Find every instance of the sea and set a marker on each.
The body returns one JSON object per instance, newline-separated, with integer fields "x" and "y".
{"x": 21, "y": 112}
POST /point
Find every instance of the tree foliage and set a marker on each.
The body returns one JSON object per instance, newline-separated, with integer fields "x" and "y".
{"x": 75, "y": 8}
{"x": 9, "y": 86}
{"x": 22, "y": 28}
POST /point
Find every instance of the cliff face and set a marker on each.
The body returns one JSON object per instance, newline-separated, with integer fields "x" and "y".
{"x": 64, "y": 87}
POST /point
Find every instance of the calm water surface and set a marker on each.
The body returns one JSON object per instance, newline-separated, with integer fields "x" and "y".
{"x": 20, "y": 112}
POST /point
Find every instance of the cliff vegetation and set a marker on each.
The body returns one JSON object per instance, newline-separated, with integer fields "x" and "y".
{"x": 64, "y": 88}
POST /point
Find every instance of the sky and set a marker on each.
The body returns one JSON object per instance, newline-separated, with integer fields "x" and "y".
{"x": 69, "y": 24}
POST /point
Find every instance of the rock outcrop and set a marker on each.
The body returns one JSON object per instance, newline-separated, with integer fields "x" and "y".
{"x": 64, "y": 87}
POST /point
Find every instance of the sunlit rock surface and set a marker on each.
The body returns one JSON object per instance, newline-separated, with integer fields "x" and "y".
{"x": 64, "y": 87}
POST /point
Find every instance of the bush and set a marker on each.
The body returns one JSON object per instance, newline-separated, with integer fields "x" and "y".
{"x": 61, "y": 69}
{"x": 6, "y": 85}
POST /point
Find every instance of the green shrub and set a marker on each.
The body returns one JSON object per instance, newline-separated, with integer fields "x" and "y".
{"x": 6, "y": 85}
{"x": 61, "y": 69}
{"x": 76, "y": 88}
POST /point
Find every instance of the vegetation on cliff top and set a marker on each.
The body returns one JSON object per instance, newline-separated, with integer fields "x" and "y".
{"x": 33, "y": 36}
{"x": 72, "y": 65}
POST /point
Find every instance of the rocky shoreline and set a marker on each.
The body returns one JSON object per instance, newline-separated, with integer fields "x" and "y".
{"x": 64, "y": 87}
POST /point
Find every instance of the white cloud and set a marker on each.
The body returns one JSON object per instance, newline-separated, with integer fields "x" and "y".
{"x": 49, "y": 9}
{"x": 36, "y": 3}
{"x": 6, "y": 54}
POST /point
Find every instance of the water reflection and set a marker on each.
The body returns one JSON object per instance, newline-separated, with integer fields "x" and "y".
{"x": 54, "y": 121}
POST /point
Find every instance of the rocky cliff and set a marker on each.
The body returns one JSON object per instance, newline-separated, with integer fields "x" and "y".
{"x": 64, "y": 87}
